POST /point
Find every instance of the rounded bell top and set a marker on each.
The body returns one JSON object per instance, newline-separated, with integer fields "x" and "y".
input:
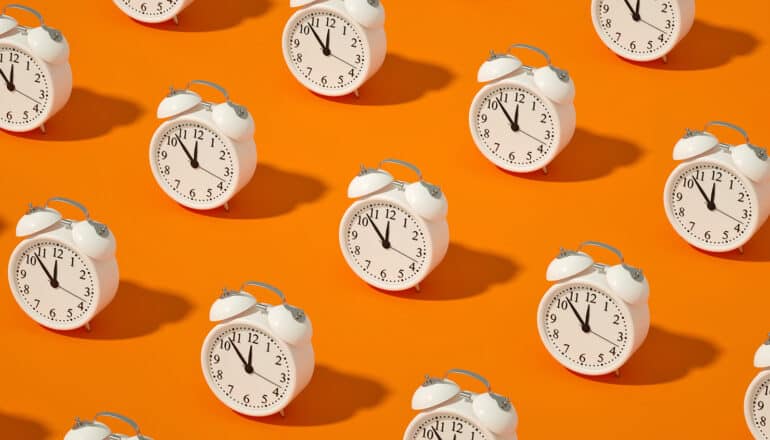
{"x": 694, "y": 144}
{"x": 49, "y": 44}
{"x": 556, "y": 84}
{"x": 498, "y": 66}
{"x": 628, "y": 283}
{"x": 427, "y": 200}
{"x": 234, "y": 120}
{"x": 751, "y": 161}
{"x": 368, "y": 181}
{"x": 88, "y": 431}
{"x": 177, "y": 103}
{"x": 230, "y": 304}
{"x": 290, "y": 324}
{"x": 567, "y": 265}
{"x": 369, "y": 13}
{"x": 37, "y": 220}
{"x": 762, "y": 355}
{"x": 300, "y": 3}
{"x": 434, "y": 392}
{"x": 7, "y": 24}
{"x": 94, "y": 239}
{"x": 496, "y": 413}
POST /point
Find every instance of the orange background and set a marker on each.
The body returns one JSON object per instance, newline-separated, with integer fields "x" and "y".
{"x": 476, "y": 311}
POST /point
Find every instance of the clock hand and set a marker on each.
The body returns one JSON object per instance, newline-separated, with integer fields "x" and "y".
{"x": 387, "y": 232}
{"x": 56, "y": 271}
{"x": 384, "y": 241}
{"x": 587, "y": 327}
{"x": 529, "y": 135}
{"x": 51, "y": 279}
{"x": 514, "y": 126}
{"x": 407, "y": 256}
{"x": 324, "y": 49}
{"x": 438, "y": 437}
{"x": 727, "y": 215}
{"x": 62, "y": 288}
{"x": 8, "y": 84}
{"x": 602, "y": 337}
{"x": 209, "y": 172}
{"x": 195, "y": 163}
{"x": 637, "y": 8}
{"x": 631, "y": 8}
{"x": 251, "y": 352}
{"x": 246, "y": 365}
{"x": 577, "y": 315}
{"x": 13, "y": 84}
{"x": 335, "y": 56}
{"x": 266, "y": 379}
{"x": 327, "y": 40}
{"x": 25, "y": 95}
{"x": 516, "y": 118}
{"x": 709, "y": 205}
{"x": 186, "y": 152}
{"x": 652, "y": 26}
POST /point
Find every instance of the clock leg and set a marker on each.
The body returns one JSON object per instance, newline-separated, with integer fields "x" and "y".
{"x": 355, "y": 92}
{"x": 88, "y": 326}
{"x": 545, "y": 170}
{"x": 42, "y": 128}
{"x": 417, "y": 287}
{"x": 740, "y": 249}
{"x": 283, "y": 414}
{"x": 617, "y": 373}
{"x": 176, "y": 20}
{"x": 665, "y": 59}
{"x": 227, "y": 206}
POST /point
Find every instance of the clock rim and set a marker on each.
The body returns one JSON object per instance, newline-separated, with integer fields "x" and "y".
{"x": 552, "y": 108}
{"x": 391, "y": 287}
{"x": 227, "y": 195}
{"x": 610, "y": 368}
{"x": 748, "y": 404}
{"x": 665, "y": 50}
{"x": 88, "y": 316}
{"x": 445, "y": 411}
{"x": 352, "y": 87}
{"x": 249, "y": 320}
{"x": 173, "y": 12}
{"x": 751, "y": 229}
{"x": 44, "y": 66}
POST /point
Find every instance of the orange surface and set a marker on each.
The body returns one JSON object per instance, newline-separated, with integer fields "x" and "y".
{"x": 476, "y": 311}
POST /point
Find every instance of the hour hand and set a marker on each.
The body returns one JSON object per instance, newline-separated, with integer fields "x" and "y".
{"x": 5, "y": 78}
{"x": 703, "y": 193}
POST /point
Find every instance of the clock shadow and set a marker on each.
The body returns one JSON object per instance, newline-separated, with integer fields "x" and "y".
{"x": 137, "y": 310}
{"x": 104, "y": 112}
{"x": 413, "y": 79}
{"x": 210, "y": 16}
{"x": 349, "y": 395}
{"x": 757, "y": 249}
{"x": 664, "y": 357}
{"x": 574, "y": 163}
{"x": 465, "y": 272}
{"x": 707, "y": 46}
{"x": 18, "y": 427}
{"x": 272, "y": 192}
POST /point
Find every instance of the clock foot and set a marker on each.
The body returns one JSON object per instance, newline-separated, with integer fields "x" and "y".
{"x": 740, "y": 249}
{"x": 283, "y": 414}
{"x": 88, "y": 326}
{"x": 665, "y": 59}
{"x": 617, "y": 373}
{"x": 545, "y": 170}
{"x": 417, "y": 287}
{"x": 227, "y": 207}
{"x": 355, "y": 92}
{"x": 176, "y": 20}
{"x": 42, "y": 128}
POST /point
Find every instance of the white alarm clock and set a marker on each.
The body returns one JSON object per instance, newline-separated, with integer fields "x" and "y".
{"x": 448, "y": 413}
{"x": 153, "y": 11}
{"x": 595, "y": 316}
{"x": 64, "y": 271}
{"x": 204, "y": 153}
{"x": 396, "y": 232}
{"x": 35, "y": 72}
{"x": 333, "y": 47}
{"x": 97, "y": 430}
{"x": 719, "y": 196}
{"x": 260, "y": 356}
{"x": 642, "y": 30}
{"x": 523, "y": 116}
{"x": 756, "y": 404}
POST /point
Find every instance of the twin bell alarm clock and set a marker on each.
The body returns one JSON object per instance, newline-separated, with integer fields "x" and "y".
{"x": 98, "y": 430}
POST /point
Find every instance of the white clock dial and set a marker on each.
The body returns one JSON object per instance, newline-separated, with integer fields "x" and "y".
{"x": 194, "y": 164}
{"x": 447, "y": 427}
{"x": 24, "y": 88}
{"x": 586, "y": 329}
{"x": 149, "y": 8}
{"x": 758, "y": 407}
{"x": 53, "y": 283}
{"x": 515, "y": 128}
{"x": 385, "y": 244}
{"x": 325, "y": 50}
{"x": 710, "y": 206}
{"x": 638, "y": 29}
{"x": 248, "y": 368}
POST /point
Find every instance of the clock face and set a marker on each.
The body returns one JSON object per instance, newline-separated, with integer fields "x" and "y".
{"x": 385, "y": 244}
{"x": 585, "y": 328}
{"x": 758, "y": 407}
{"x": 446, "y": 427}
{"x": 515, "y": 128}
{"x": 710, "y": 206}
{"x": 148, "y": 8}
{"x": 325, "y": 51}
{"x": 248, "y": 369}
{"x": 24, "y": 89}
{"x": 638, "y": 29}
{"x": 194, "y": 164}
{"x": 53, "y": 283}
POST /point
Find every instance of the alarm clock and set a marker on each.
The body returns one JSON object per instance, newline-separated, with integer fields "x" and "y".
{"x": 756, "y": 404}
{"x": 259, "y": 356}
{"x": 153, "y": 11}
{"x": 595, "y": 316}
{"x": 719, "y": 195}
{"x": 333, "y": 47}
{"x": 35, "y": 70}
{"x": 642, "y": 30}
{"x": 97, "y": 430}
{"x": 395, "y": 233}
{"x": 64, "y": 271}
{"x": 204, "y": 153}
{"x": 523, "y": 116}
{"x": 449, "y": 413}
